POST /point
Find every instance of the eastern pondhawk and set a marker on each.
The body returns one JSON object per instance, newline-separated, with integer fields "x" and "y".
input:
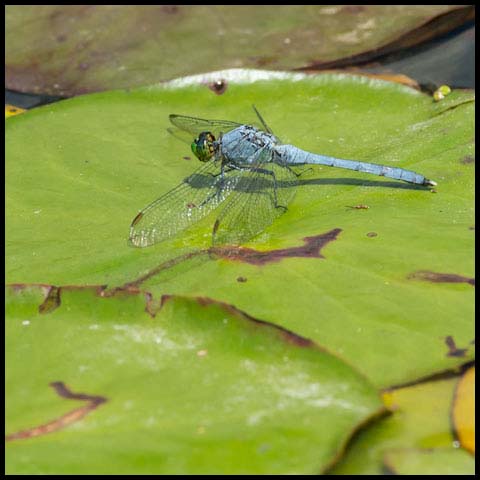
{"x": 246, "y": 173}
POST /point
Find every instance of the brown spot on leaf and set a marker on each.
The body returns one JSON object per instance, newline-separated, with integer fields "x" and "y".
{"x": 52, "y": 300}
{"x": 153, "y": 305}
{"x": 311, "y": 248}
{"x": 93, "y": 402}
{"x": 358, "y": 207}
{"x": 436, "y": 277}
{"x": 468, "y": 159}
{"x": 472, "y": 227}
{"x": 218, "y": 86}
{"x": 241, "y": 279}
{"x": 170, "y": 9}
{"x": 453, "y": 351}
{"x": 372, "y": 234}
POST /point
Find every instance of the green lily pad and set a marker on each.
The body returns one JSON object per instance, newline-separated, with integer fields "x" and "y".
{"x": 181, "y": 386}
{"x": 441, "y": 461}
{"x": 391, "y": 289}
{"x": 416, "y": 438}
{"x": 73, "y": 49}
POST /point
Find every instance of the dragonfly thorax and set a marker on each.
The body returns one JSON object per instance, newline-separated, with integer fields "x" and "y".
{"x": 246, "y": 144}
{"x": 203, "y": 147}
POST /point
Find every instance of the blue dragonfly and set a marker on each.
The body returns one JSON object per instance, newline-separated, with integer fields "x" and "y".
{"x": 247, "y": 176}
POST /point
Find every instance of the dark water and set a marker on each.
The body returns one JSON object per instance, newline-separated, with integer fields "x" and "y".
{"x": 449, "y": 60}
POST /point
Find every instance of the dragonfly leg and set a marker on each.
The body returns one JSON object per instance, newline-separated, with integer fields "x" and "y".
{"x": 262, "y": 121}
{"x": 272, "y": 174}
{"x": 225, "y": 169}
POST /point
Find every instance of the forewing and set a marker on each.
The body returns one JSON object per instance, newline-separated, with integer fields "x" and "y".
{"x": 256, "y": 203}
{"x": 187, "y": 203}
{"x": 195, "y": 126}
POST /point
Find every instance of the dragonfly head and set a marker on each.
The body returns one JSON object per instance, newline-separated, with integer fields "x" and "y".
{"x": 203, "y": 146}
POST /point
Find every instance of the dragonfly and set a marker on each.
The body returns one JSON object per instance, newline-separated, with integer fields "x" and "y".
{"x": 248, "y": 177}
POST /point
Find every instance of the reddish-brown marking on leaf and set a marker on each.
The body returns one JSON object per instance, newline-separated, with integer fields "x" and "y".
{"x": 241, "y": 279}
{"x": 468, "y": 159}
{"x": 93, "y": 402}
{"x": 52, "y": 300}
{"x": 436, "y": 277}
{"x": 358, "y": 207}
{"x": 153, "y": 305}
{"x": 170, "y": 9}
{"x": 453, "y": 351}
{"x": 287, "y": 335}
{"x": 372, "y": 234}
{"x": 218, "y": 86}
{"x": 311, "y": 248}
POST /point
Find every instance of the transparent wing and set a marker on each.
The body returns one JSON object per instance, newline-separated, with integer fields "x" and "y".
{"x": 187, "y": 203}
{"x": 196, "y": 126}
{"x": 261, "y": 195}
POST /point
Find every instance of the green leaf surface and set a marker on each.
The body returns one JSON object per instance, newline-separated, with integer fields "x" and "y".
{"x": 391, "y": 291}
{"x": 72, "y": 49}
{"x": 441, "y": 461}
{"x": 416, "y": 438}
{"x": 185, "y": 386}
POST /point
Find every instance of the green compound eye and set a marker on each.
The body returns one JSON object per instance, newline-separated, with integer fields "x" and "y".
{"x": 195, "y": 148}
{"x": 203, "y": 147}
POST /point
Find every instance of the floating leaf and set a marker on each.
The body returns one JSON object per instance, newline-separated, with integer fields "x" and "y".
{"x": 171, "y": 386}
{"x": 415, "y": 439}
{"x": 463, "y": 414}
{"x": 73, "y": 49}
{"x": 436, "y": 461}
{"x": 389, "y": 292}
